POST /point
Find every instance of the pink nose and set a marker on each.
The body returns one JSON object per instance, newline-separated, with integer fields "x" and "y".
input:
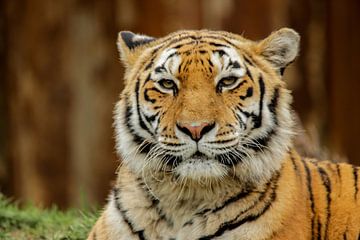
{"x": 195, "y": 129}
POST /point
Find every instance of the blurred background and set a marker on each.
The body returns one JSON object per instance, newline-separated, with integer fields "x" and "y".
{"x": 60, "y": 78}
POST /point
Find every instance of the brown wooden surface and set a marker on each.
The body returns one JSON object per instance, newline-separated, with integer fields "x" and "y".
{"x": 343, "y": 81}
{"x": 60, "y": 77}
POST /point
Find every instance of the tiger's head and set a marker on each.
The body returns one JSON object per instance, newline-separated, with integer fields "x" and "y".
{"x": 205, "y": 104}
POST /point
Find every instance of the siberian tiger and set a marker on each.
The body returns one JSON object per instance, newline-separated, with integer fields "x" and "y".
{"x": 204, "y": 128}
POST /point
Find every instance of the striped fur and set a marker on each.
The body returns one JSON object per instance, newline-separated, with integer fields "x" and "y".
{"x": 240, "y": 178}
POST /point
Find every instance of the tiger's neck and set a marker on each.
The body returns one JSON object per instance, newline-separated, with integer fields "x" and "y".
{"x": 182, "y": 199}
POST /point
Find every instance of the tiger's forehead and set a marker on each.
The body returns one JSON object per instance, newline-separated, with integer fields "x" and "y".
{"x": 198, "y": 56}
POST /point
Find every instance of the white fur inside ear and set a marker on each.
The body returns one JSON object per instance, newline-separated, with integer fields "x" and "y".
{"x": 281, "y": 47}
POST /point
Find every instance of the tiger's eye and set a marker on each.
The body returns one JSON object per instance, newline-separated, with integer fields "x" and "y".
{"x": 167, "y": 83}
{"x": 228, "y": 81}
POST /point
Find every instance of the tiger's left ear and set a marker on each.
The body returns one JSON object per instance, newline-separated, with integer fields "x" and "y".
{"x": 131, "y": 45}
{"x": 280, "y": 48}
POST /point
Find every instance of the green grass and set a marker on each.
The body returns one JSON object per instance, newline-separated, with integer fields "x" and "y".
{"x": 29, "y": 222}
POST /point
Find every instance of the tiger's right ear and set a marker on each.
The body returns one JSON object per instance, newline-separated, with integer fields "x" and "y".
{"x": 131, "y": 45}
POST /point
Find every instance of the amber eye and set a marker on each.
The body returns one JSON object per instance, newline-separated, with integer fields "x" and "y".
{"x": 227, "y": 82}
{"x": 167, "y": 83}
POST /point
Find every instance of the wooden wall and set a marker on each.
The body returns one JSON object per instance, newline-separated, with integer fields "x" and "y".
{"x": 60, "y": 78}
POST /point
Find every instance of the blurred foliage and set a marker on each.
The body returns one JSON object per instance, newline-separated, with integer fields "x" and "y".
{"x": 30, "y": 222}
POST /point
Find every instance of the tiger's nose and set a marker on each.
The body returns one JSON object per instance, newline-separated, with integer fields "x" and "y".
{"x": 195, "y": 129}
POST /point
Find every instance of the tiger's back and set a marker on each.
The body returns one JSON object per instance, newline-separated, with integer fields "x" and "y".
{"x": 204, "y": 127}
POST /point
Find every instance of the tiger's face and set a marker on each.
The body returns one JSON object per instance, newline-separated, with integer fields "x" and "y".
{"x": 205, "y": 104}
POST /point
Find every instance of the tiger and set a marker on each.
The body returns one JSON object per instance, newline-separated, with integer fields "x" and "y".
{"x": 204, "y": 127}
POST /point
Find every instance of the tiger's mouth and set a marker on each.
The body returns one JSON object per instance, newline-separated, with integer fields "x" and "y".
{"x": 228, "y": 159}
{"x": 199, "y": 156}
{"x": 200, "y": 166}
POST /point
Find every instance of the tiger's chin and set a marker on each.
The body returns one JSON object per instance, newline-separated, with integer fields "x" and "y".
{"x": 199, "y": 168}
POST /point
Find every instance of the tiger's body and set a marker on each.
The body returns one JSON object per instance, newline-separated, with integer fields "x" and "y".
{"x": 204, "y": 127}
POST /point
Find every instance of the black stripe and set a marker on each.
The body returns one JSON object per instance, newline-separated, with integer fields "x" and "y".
{"x": 173, "y": 144}
{"x": 258, "y": 119}
{"x": 217, "y": 44}
{"x": 148, "y": 78}
{"x": 151, "y": 118}
{"x": 221, "y": 53}
{"x": 155, "y": 204}
{"x": 235, "y": 223}
{"x": 147, "y": 97}
{"x": 355, "y": 173}
{"x": 249, "y": 93}
{"x": 238, "y": 86}
{"x": 338, "y": 170}
{"x": 295, "y": 167}
{"x": 160, "y": 69}
{"x": 327, "y": 184}
{"x": 222, "y": 141}
{"x": 94, "y": 236}
{"x": 273, "y": 104}
{"x": 149, "y": 65}
{"x": 262, "y": 142}
{"x": 141, "y": 120}
{"x": 249, "y": 73}
{"x": 311, "y": 196}
{"x": 319, "y": 227}
{"x": 230, "y": 200}
{"x": 247, "y": 60}
{"x": 136, "y": 138}
{"x": 139, "y": 233}
{"x": 223, "y": 38}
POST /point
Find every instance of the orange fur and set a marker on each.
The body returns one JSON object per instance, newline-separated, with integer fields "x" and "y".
{"x": 240, "y": 178}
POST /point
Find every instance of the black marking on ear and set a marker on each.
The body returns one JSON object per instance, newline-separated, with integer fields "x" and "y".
{"x": 282, "y": 71}
{"x": 132, "y": 40}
